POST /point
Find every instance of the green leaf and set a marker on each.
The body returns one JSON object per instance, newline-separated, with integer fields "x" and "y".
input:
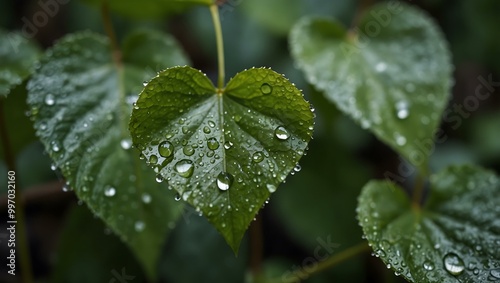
{"x": 454, "y": 238}
{"x": 81, "y": 102}
{"x": 17, "y": 57}
{"x": 392, "y": 74}
{"x": 224, "y": 151}
{"x": 147, "y": 9}
{"x": 108, "y": 258}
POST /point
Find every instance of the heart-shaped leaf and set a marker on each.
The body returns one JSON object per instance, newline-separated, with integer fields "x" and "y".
{"x": 392, "y": 74}
{"x": 17, "y": 57}
{"x": 224, "y": 151}
{"x": 81, "y": 103}
{"x": 454, "y": 238}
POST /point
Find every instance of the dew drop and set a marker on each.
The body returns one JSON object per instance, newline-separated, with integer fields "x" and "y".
{"x": 266, "y": 88}
{"x": 109, "y": 191}
{"x": 206, "y": 130}
{"x": 453, "y": 264}
{"x": 66, "y": 188}
{"x": 402, "y": 110}
{"x": 126, "y": 144}
{"x": 212, "y": 144}
{"x": 146, "y": 198}
{"x": 139, "y": 226}
{"x": 237, "y": 118}
{"x": 55, "y": 147}
{"x": 271, "y": 188}
{"x": 428, "y": 266}
{"x": 281, "y": 133}
{"x": 211, "y": 124}
{"x": 188, "y": 150}
{"x": 224, "y": 181}
{"x": 159, "y": 178}
{"x": 177, "y": 197}
{"x": 185, "y": 168}
{"x": 50, "y": 100}
{"x": 495, "y": 273}
{"x": 228, "y": 145}
{"x": 257, "y": 157}
{"x": 297, "y": 168}
{"x": 153, "y": 159}
{"x": 53, "y": 167}
{"x": 166, "y": 149}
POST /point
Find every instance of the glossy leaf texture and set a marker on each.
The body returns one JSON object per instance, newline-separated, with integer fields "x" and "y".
{"x": 17, "y": 56}
{"x": 391, "y": 74}
{"x": 223, "y": 151}
{"x": 81, "y": 103}
{"x": 147, "y": 9}
{"x": 454, "y": 238}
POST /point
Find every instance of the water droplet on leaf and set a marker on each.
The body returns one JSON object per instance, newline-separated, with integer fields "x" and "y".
{"x": 188, "y": 150}
{"x": 271, "y": 188}
{"x": 257, "y": 157}
{"x": 212, "y": 144}
{"x": 224, "y": 181}
{"x": 153, "y": 159}
{"x": 402, "y": 110}
{"x": 109, "y": 191}
{"x": 266, "y": 88}
{"x": 50, "y": 100}
{"x": 166, "y": 149}
{"x": 185, "y": 168}
{"x": 281, "y": 133}
{"x": 453, "y": 264}
{"x": 177, "y": 197}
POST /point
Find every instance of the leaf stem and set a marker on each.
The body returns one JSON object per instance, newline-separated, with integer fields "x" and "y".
{"x": 214, "y": 10}
{"x": 349, "y": 253}
{"x": 418, "y": 191}
{"x": 110, "y": 32}
{"x": 22, "y": 235}
{"x": 256, "y": 246}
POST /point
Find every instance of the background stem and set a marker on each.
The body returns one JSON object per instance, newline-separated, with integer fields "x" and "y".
{"x": 110, "y": 32}
{"x": 256, "y": 247}
{"x": 214, "y": 10}
{"x": 22, "y": 243}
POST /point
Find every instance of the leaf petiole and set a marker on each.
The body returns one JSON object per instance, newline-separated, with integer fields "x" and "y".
{"x": 214, "y": 10}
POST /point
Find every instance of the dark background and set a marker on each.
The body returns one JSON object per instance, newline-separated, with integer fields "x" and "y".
{"x": 316, "y": 205}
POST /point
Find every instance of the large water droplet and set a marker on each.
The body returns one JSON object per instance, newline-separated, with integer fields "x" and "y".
{"x": 50, "y": 100}
{"x": 281, "y": 133}
{"x": 185, "y": 168}
{"x": 453, "y": 264}
{"x": 139, "y": 226}
{"x": 166, "y": 149}
{"x": 188, "y": 150}
{"x": 212, "y": 144}
{"x": 224, "y": 181}
{"x": 495, "y": 273}
{"x": 402, "y": 110}
{"x": 257, "y": 157}
{"x": 109, "y": 191}
{"x": 266, "y": 88}
{"x": 126, "y": 144}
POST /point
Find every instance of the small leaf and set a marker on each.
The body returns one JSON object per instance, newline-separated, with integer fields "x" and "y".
{"x": 223, "y": 151}
{"x": 392, "y": 74}
{"x": 18, "y": 56}
{"x": 454, "y": 238}
{"x": 147, "y": 9}
{"x": 81, "y": 102}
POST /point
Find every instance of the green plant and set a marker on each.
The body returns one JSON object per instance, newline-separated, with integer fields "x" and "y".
{"x": 104, "y": 118}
